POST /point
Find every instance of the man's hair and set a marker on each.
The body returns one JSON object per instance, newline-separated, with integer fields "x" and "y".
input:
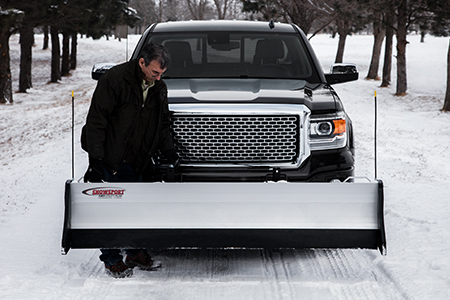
{"x": 156, "y": 52}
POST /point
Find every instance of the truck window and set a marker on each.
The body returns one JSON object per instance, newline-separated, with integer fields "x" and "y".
{"x": 240, "y": 55}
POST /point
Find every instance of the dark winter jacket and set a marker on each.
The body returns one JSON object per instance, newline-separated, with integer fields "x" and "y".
{"x": 119, "y": 126}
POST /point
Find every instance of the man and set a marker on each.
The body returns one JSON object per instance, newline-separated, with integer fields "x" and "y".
{"x": 128, "y": 121}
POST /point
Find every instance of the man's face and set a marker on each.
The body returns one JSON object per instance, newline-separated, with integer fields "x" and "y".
{"x": 151, "y": 72}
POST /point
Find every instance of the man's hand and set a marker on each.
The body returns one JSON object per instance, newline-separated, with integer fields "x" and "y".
{"x": 94, "y": 172}
{"x": 173, "y": 158}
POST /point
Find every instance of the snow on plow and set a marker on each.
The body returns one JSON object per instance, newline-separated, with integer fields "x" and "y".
{"x": 250, "y": 215}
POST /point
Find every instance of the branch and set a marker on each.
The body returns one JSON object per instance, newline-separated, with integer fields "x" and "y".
{"x": 320, "y": 29}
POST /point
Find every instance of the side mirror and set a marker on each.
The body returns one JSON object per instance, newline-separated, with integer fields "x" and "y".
{"x": 99, "y": 69}
{"x": 342, "y": 73}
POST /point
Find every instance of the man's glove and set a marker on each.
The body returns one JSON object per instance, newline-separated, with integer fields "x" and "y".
{"x": 94, "y": 172}
{"x": 173, "y": 158}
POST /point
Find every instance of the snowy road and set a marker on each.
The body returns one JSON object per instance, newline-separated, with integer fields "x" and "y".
{"x": 247, "y": 274}
{"x": 35, "y": 144}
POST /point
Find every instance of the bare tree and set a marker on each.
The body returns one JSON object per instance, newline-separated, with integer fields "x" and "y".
{"x": 10, "y": 20}
{"x": 160, "y": 10}
{"x": 56, "y": 55}
{"x": 378, "y": 36}
{"x": 26, "y": 44}
{"x": 440, "y": 26}
{"x": 45, "y": 44}
{"x": 65, "y": 61}
{"x": 402, "y": 19}
{"x": 446, "y": 106}
{"x": 349, "y": 17}
{"x": 73, "y": 51}
{"x": 345, "y": 14}
{"x": 5, "y": 70}
{"x": 222, "y": 7}
{"x": 343, "y": 29}
{"x": 407, "y": 12}
{"x": 198, "y": 8}
{"x": 389, "y": 17}
{"x": 173, "y": 10}
{"x": 303, "y": 13}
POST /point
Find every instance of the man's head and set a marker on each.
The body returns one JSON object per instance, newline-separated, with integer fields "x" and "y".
{"x": 154, "y": 60}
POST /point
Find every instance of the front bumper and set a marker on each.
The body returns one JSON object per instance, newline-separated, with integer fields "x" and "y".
{"x": 321, "y": 166}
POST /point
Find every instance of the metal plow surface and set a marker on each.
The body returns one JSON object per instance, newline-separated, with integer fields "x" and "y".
{"x": 250, "y": 215}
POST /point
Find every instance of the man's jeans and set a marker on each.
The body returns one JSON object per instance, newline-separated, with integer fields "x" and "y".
{"x": 126, "y": 173}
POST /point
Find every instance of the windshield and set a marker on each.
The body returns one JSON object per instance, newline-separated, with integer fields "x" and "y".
{"x": 236, "y": 55}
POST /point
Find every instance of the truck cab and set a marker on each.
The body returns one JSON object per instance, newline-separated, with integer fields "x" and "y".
{"x": 250, "y": 102}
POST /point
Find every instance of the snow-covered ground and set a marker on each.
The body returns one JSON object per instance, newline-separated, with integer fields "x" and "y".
{"x": 413, "y": 162}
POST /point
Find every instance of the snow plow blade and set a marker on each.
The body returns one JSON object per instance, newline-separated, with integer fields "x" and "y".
{"x": 250, "y": 215}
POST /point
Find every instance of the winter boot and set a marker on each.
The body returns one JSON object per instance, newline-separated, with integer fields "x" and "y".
{"x": 119, "y": 270}
{"x": 142, "y": 260}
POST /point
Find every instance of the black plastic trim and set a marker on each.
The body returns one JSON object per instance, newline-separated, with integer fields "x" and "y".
{"x": 224, "y": 238}
{"x": 66, "y": 234}
{"x": 382, "y": 243}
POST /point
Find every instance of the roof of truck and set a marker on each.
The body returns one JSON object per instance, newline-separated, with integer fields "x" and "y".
{"x": 222, "y": 25}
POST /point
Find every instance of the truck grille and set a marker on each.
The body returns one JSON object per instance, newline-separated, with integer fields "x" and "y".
{"x": 236, "y": 139}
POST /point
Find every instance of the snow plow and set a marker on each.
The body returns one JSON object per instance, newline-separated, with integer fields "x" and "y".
{"x": 251, "y": 215}
{"x": 266, "y": 148}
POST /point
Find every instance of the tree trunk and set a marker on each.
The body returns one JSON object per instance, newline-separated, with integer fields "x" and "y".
{"x": 73, "y": 52}
{"x": 65, "y": 65}
{"x": 401, "y": 49}
{"x": 388, "y": 49}
{"x": 378, "y": 34}
{"x": 56, "y": 56}
{"x": 343, "y": 29}
{"x": 341, "y": 47}
{"x": 5, "y": 70}
{"x": 45, "y": 38}
{"x": 422, "y": 36}
{"x": 26, "y": 44}
{"x": 447, "y": 92}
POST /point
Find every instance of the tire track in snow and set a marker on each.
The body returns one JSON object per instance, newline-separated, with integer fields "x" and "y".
{"x": 284, "y": 274}
{"x": 383, "y": 275}
{"x": 90, "y": 276}
{"x": 352, "y": 275}
{"x": 276, "y": 265}
{"x": 269, "y": 273}
{"x": 357, "y": 284}
{"x": 307, "y": 258}
{"x": 286, "y": 263}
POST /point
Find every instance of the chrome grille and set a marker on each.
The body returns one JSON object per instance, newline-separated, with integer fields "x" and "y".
{"x": 236, "y": 139}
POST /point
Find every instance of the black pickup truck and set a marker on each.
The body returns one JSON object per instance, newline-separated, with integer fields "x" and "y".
{"x": 250, "y": 102}
{"x": 255, "y": 120}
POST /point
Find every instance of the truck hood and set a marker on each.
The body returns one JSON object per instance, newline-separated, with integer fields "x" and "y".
{"x": 317, "y": 98}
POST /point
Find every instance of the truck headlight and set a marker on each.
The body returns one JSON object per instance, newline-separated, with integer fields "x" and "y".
{"x": 328, "y": 131}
